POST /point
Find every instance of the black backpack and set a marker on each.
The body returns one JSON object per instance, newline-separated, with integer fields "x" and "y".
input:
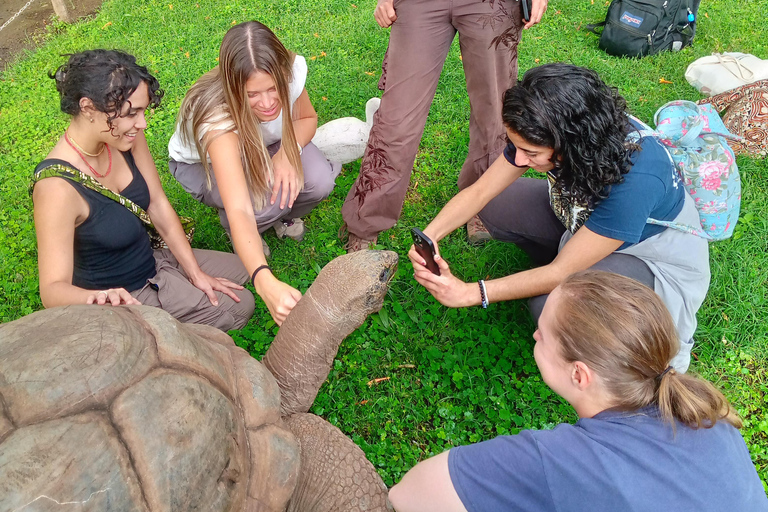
{"x": 636, "y": 28}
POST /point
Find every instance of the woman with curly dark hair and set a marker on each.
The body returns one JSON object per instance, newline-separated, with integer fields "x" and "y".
{"x": 592, "y": 211}
{"x": 93, "y": 249}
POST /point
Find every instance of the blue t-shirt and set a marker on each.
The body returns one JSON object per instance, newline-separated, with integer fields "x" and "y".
{"x": 651, "y": 188}
{"x": 612, "y": 462}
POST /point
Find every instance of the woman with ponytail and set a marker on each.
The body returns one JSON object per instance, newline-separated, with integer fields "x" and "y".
{"x": 648, "y": 438}
{"x": 242, "y": 145}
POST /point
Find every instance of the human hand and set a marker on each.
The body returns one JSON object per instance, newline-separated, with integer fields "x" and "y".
{"x": 209, "y": 285}
{"x": 418, "y": 259}
{"x": 287, "y": 178}
{"x": 446, "y": 288}
{"x": 384, "y": 14}
{"x": 279, "y": 297}
{"x": 538, "y": 8}
{"x": 112, "y": 296}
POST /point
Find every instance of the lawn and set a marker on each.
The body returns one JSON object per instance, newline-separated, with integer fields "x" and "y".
{"x": 449, "y": 376}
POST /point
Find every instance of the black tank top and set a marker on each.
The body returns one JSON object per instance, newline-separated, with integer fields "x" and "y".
{"x": 112, "y": 248}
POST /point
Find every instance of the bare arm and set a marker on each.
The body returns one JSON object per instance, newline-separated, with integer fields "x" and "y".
{"x": 230, "y": 177}
{"x": 467, "y": 203}
{"x": 58, "y": 210}
{"x": 167, "y": 222}
{"x": 581, "y": 252}
{"x": 427, "y": 487}
{"x": 304, "y": 119}
{"x": 304, "y": 128}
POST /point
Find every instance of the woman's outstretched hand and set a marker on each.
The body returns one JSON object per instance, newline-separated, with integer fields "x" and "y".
{"x": 279, "y": 297}
{"x": 210, "y": 285}
{"x": 446, "y": 288}
{"x": 287, "y": 178}
{"x": 113, "y": 297}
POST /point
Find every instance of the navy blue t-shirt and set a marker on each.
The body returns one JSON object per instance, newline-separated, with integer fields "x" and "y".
{"x": 651, "y": 188}
{"x": 612, "y": 462}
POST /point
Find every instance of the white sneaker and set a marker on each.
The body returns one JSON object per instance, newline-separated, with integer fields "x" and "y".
{"x": 292, "y": 228}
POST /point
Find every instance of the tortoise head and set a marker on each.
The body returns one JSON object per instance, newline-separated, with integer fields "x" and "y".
{"x": 348, "y": 289}
{"x": 360, "y": 280}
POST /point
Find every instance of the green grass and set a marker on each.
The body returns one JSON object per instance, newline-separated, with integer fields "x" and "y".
{"x": 455, "y": 376}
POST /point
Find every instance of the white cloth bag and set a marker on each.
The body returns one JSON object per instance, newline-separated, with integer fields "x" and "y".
{"x": 722, "y": 72}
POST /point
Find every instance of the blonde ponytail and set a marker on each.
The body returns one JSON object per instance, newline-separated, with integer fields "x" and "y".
{"x": 623, "y": 331}
{"x": 693, "y": 402}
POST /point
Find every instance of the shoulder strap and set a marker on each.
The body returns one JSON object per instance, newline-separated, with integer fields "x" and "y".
{"x": 592, "y": 27}
{"x": 71, "y": 173}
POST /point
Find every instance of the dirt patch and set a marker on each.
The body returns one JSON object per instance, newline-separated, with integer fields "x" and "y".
{"x": 19, "y": 34}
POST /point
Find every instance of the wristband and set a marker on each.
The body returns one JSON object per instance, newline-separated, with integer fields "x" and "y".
{"x": 259, "y": 269}
{"x": 483, "y": 294}
{"x": 300, "y": 148}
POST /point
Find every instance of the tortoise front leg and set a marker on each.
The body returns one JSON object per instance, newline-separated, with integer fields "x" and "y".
{"x": 335, "y": 476}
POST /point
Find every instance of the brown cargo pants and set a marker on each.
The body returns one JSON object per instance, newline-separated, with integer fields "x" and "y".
{"x": 420, "y": 38}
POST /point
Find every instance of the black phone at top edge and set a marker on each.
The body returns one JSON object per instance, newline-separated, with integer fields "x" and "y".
{"x": 426, "y": 250}
{"x": 527, "y": 6}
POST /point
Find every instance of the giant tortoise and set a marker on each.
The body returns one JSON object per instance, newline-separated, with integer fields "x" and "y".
{"x": 126, "y": 409}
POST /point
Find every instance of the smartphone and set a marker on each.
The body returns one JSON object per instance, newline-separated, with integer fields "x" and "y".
{"x": 527, "y": 5}
{"x": 426, "y": 250}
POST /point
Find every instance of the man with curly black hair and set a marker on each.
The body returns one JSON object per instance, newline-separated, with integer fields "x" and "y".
{"x": 592, "y": 211}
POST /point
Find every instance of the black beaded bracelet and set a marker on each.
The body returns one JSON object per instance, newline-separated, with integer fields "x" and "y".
{"x": 259, "y": 269}
{"x": 483, "y": 294}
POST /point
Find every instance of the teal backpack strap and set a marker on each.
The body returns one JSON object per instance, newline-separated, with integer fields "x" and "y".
{"x": 685, "y": 228}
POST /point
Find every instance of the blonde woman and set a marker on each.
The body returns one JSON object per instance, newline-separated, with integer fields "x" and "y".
{"x": 242, "y": 145}
{"x": 648, "y": 438}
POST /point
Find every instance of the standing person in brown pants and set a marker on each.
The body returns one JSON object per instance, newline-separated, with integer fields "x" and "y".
{"x": 422, "y": 32}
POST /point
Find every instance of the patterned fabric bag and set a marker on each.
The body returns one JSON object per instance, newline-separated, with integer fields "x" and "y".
{"x": 695, "y": 139}
{"x": 745, "y": 113}
{"x": 63, "y": 171}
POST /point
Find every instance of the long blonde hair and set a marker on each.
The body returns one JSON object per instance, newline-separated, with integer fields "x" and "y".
{"x": 622, "y": 331}
{"x": 246, "y": 48}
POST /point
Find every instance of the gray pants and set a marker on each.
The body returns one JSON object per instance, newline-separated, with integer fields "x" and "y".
{"x": 418, "y": 45}
{"x": 521, "y": 214}
{"x": 319, "y": 180}
{"x": 171, "y": 290}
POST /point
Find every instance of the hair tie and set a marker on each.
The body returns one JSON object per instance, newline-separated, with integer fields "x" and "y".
{"x": 258, "y": 269}
{"x": 662, "y": 374}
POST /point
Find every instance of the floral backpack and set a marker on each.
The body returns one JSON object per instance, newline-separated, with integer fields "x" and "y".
{"x": 695, "y": 139}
